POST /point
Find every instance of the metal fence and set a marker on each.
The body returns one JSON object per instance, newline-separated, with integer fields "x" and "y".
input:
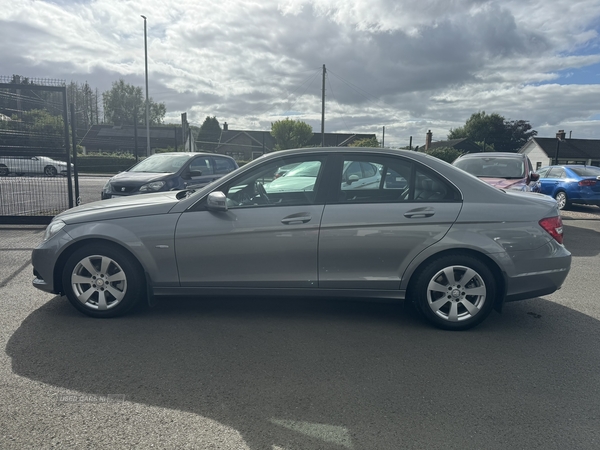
{"x": 35, "y": 153}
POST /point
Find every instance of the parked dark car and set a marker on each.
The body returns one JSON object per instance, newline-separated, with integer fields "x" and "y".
{"x": 169, "y": 172}
{"x": 502, "y": 170}
{"x": 436, "y": 236}
{"x": 570, "y": 184}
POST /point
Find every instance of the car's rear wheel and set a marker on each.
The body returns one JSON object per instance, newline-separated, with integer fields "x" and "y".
{"x": 50, "y": 171}
{"x": 102, "y": 281}
{"x": 3, "y": 170}
{"x": 455, "y": 292}
{"x": 562, "y": 200}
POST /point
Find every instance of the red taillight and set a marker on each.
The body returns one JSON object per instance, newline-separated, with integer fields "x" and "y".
{"x": 587, "y": 183}
{"x": 554, "y": 226}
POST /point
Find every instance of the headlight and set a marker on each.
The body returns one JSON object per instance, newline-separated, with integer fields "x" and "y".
{"x": 106, "y": 187}
{"x": 151, "y": 187}
{"x": 53, "y": 228}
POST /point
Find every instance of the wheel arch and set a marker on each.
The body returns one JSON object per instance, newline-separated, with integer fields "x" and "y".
{"x": 66, "y": 254}
{"x": 499, "y": 276}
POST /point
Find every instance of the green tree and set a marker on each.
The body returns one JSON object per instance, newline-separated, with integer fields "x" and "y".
{"x": 492, "y": 132}
{"x": 290, "y": 133}
{"x": 124, "y": 100}
{"x": 210, "y": 131}
{"x": 366, "y": 142}
{"x": 37, "y": 129}
{"x": 447, "y": 154}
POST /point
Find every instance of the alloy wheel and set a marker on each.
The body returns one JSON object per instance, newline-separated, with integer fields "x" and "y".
{"x": 456, "y": 293}
{"x": 561, "y": 199}
{"x": 98, "y": 282}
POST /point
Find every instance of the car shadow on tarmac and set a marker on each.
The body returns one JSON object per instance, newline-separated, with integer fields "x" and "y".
{"x": 331, "y": 374}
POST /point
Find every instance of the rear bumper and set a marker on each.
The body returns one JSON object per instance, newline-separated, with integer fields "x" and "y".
{"x": 541, "y": 277}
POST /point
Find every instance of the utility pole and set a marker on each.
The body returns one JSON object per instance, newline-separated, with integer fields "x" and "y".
{"x": 147, "y": 101}
{"x": 410, "y": 143}
{"x": 383, "y": 139}
{"x": 323, "y": 110}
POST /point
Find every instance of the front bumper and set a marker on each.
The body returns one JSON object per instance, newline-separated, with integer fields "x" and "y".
{"x": 44, "y": 258}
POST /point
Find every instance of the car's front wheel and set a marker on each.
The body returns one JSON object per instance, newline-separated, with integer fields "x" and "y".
{"x": 562, "y": 200}
{"x": 50, "y": 171}
{"x": 102, "y": 281}
{"x": 455, "y": 292}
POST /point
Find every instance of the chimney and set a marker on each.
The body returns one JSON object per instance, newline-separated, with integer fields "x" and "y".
{"x": 225, "y": 126}
{"x": 428, "y": 138}
{"x": 561, "y": 135}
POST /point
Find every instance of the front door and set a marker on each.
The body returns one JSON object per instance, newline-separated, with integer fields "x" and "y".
{"x": 265, "y": 239}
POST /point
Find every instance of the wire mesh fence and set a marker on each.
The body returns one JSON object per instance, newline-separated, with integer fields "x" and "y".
{"x": 34, "y": 150}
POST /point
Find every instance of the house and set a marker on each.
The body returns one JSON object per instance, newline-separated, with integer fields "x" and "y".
{"x": 544, "y": 151}
{"x": 465, "y": 145}
{"x": 244, "y": 145}
{"x": 109, "y": 138}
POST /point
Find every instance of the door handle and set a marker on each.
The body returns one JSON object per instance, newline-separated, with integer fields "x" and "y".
{"x": 296, "y": 219}
{"x": 419, "y": 213}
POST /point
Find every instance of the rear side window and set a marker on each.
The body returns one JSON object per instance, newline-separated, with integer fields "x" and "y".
{"x": 382, "y": 179}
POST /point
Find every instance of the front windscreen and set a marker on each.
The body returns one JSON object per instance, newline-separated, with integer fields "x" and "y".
{"x": 161, "y": 164}
{"x": 493, "y": 167}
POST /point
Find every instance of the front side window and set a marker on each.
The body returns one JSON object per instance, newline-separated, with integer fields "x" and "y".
{"x": 261, "y": 187}
{"x": 543, "y": 173}
{"x": 201, "y": 166}
{"x": 555, "y": 172}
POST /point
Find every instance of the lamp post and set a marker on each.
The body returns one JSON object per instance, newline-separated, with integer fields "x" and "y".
{"x": 147, "y": 102}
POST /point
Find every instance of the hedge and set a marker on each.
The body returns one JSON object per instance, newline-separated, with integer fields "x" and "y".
{"x": 103, "y": 164}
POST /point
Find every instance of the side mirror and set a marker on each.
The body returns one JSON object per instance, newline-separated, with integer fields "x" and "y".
{"x": 352, "y": 179}
{"x": 216, "y": 201}
{"x": 534, "y": 176}
{"x": 195, "y": 173}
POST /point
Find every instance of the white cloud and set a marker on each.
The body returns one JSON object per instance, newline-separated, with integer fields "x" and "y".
{"x": 411, "y": 65}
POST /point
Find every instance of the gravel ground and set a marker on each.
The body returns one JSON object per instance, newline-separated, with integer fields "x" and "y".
{"x": 581, "y": 212}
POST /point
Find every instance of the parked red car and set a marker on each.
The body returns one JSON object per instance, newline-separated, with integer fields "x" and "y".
{"x": 502, "y": 170}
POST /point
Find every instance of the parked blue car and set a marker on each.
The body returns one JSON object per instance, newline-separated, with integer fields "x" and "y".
{"x": 570, "y": 184}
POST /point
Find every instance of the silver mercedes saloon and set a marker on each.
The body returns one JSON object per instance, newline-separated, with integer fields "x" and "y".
{"x": 343, "y": 222}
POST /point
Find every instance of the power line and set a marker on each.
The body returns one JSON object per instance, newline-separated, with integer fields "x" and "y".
{"x": 362, "y": 92}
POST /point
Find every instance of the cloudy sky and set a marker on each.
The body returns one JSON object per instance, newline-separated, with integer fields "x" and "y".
{"x": 408, "y": 65}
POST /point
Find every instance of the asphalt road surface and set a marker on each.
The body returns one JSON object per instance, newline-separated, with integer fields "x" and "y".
{"x": 296, "y": 374}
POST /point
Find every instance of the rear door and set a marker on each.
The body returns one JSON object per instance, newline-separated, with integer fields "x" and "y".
{"x": 371, "y": 233}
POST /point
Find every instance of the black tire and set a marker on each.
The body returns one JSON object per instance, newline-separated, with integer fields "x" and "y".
{"x": 3, "y": 170}
{"x": 116, "y": 282}
{"x": 446, "y": 302}
{"x": 562, "y": 199}
{"x": 50, "y": 171}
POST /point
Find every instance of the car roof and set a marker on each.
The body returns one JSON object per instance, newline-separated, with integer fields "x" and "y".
{"x": 189, "y": 154}
{"x": 492, "y": 154}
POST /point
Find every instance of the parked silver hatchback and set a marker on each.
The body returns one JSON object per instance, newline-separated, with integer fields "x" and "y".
{"x": 425, "y": 231}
